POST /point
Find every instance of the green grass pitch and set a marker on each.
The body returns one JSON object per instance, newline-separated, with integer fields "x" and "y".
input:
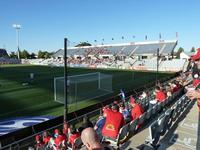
{"x": 38, "y": 98}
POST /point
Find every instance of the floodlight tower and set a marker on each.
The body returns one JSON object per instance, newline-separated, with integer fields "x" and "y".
{"x": 17, "y": 28}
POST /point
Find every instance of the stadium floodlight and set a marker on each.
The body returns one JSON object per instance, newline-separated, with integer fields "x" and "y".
{"x": 17, "y": 27}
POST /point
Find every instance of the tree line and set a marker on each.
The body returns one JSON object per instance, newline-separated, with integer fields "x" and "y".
{"x": 24, "y": 54}
{"x": 180, "y": 50}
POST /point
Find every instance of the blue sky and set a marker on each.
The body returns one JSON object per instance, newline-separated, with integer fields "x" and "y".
{"x": 46, "y": 22}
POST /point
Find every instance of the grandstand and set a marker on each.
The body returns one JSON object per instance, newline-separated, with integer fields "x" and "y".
{"x": 131, "y": 56}
{"x": 4, "y": 58}
{"x": 3, "y": 53}
{"x": 137, "y": 56}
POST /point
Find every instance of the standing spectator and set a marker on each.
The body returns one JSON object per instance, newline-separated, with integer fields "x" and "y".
{"x": 196, "y": 68}
{"x": 114, "y": 121}
{"x": 195, "y": 94}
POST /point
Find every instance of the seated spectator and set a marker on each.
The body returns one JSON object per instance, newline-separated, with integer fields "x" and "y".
{"x": 56, "y": 133}
{"x": 125, "y": 112}
{"x": 114, "y": 121}
{"x": 136, "y": 111}
{"x": 168, "y": 91}
{"x": 73, "y": 135}
{"x": 175, "y": 87}
{"x": 65, "y": 128}
{"x": 60, "y": 140}
{"x": 39, "y": 143}
{"x": 106, "y": 108}
{"x": 46, "y": 137}
{"x": 99, "y": 125}
{"x": 91, "y": 141}
{"x": 132, "y": 99}
{"x": 143, "y": 95}
{"x": 160, "y": 96}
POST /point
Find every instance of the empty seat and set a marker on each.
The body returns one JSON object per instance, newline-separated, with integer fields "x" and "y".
{"x": 174, "y": 112}
{"x": 142, "y": 118}
{"x": 149, "y": 113}
{"x": 155, "y": 108}
{"x": 133, "y": 126}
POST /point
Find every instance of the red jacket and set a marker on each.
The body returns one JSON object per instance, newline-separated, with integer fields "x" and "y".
{"x": 46, "y": 139}
{"x": 196, "y": 82}
{"x": 59, "y": 139}
{"x": 160, "y": 96}
{"x": 114, "y": 121}
{"x": 73, "y": 137}
{"x": 136, "y": 111}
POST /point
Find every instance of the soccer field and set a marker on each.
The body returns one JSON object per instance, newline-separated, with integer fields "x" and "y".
{"x": 37, "y": 98}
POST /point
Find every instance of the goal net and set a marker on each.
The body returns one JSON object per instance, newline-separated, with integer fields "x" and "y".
{"x": 82, "y": 87}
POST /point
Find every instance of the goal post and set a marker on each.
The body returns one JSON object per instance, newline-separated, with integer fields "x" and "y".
{"x": 82, "y": 87}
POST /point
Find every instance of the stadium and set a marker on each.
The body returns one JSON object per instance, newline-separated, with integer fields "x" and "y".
{"x": 34, "y": 98}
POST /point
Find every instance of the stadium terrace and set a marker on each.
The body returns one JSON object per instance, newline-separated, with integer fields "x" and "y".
{"x": 133, "y": 56}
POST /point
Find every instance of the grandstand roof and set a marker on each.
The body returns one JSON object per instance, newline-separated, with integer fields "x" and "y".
{"x": 128, "y": 49}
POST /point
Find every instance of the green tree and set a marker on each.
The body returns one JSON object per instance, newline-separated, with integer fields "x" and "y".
{"x": 24, "y": 54}
{"x": 47, "y": 55}
{"x": 44, "y": 54}
{"x": 13, "y": 55}
{"x": 193, "y": 50}
{"x": 40, "y": 54}
{"x": 179, "y": 51}
{"x": 83, "y": 44}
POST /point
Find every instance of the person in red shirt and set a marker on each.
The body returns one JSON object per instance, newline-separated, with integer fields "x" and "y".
{"x": 46, "y": 137}
{"x": 195, "y": 94}
{"x": 60, "y": 140}
{"x": 136, "y": 111}
{"x": 39, "y": 142}
{"x": 73, "y": 135}
{"x": 160, "y": 96}
{"x": 65, "y": 128}
{"x": 114, "y": 121}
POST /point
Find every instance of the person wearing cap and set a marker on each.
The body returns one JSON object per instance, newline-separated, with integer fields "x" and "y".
{"x": 114, "y": 121}
{"x": 195, "y": 93}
